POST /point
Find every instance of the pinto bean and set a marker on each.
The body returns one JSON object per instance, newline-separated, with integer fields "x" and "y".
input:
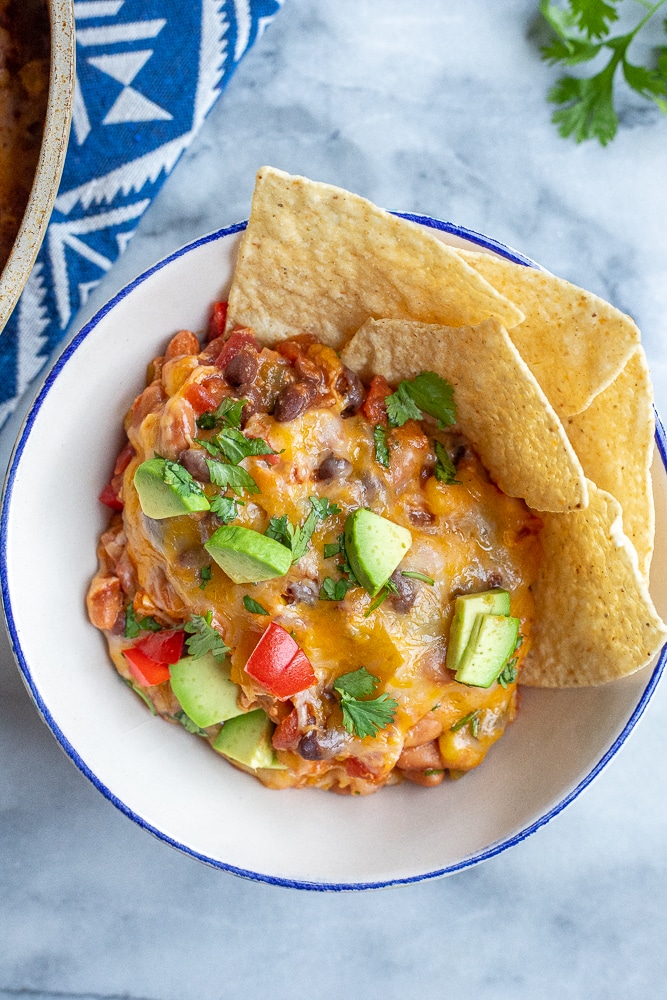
{"x": 183, "y": 342}
{"x": 351, "y": 388}
{"x": 150, "y": 400}
{"x": 420, "y": 758}
{"x": 294, "y": 399}
{"x": 407, "y": 592}
{"x": 427, "y": 729}
{"x": 104, "y": 601}
{"x": 427, "y": 779}
{"x": 194, "y": 461}
{"x": 421, "y": 517}
{"x": 243, "y": 368}
{"x": 334, "y": 468}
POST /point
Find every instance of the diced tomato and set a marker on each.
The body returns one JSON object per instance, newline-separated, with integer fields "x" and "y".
{"x": 199, "y": 398}
{"x": 295, "y": 346}
{"x": 357, "y": 769}
{"x": 287, "y": 733}
{"x": 163, "y": 647}
{"x": 124, "y": 459}
{"x": 146, "y": 671}
{"x": 234, "y": 345}
{"x": 279, "y": 664}
{"x": 216, "y": 324}
{"x": 375, "y": 408}
{"x": 110, "y": 497}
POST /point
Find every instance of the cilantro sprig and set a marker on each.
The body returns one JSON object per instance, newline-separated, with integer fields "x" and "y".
{"x": 426, "y": 393}
{"x": 364, "y": 718}
{"x": 228, "y": 414}
{"x": 253, "y": 606}
{"x": 180, "y": 480}
{"x": 381, "y": 445}
{"x": 582, "y": 32}
{"x": 334, "y": 590}
{"x": 134, "y": 626}
{"x": 203, "y": 638}
{"x": 445, "y": 470}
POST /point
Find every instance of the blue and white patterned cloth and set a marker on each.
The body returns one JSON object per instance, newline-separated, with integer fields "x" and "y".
{"x": 148, "y": 73}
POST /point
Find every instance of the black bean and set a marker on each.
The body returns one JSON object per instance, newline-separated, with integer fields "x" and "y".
{"x": 244, "y": 368}
{"x": 494, "y": 580}
{"x": 321, "y": 744}
{"x": 302, "y": 591}
{"x": 407, "y": 592}
{"x": 350, "y": 386}
{"x": 293, "y": 400}
{"x": 334, "y": 468}
{"x": 194, "y": 461}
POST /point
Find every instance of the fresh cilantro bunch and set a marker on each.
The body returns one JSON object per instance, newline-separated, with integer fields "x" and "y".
{"x": 582, "y": 31}
{"x": 364, "y": 718}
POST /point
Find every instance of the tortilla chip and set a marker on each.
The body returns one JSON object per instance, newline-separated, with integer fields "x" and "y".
{"x": 594, "y": 618}
{"x": 613, "y": 438}
{"x": 574, "y": 343}
{"x": 500, "y": 406}
{"x": 317, "y": 259}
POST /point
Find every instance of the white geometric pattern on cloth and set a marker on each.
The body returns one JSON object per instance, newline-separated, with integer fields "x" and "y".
{"x": 128, "y": 79}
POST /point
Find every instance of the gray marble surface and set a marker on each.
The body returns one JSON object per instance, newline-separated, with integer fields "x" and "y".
{"x": 433, "y": 106}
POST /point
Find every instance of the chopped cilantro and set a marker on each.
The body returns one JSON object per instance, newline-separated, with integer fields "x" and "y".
{"x": 232, "y": 476}
{"x": 472, "y": 718}
{"x": 427, "y": 393}
{"x": 334, "y": 590}
{"x": 381, "y": 446}
{"x": 228, "y": 413}
{"x": 389, "y": 588}
{"x": 224, "y": 508}
{"x": 142, "y": 694}
{"x": 253, "y": 606}
{"x": 188, "y": 724}
{"x": 334, "y": 548}
{"x": 363, "y": 718}
{"x": 205, "y": 575}
{"x": 297, "y": 538}
{"x": 433, "y": 770}
{"x": 180, "y": 480}
{"x": 401, "y": 407}
{"x": 204, "y": 638}
{"x": 235, "y": 446}
{"x": 134, "y": 625}
{"x": 508, "y": 676}
{"x": 412, "y": 575}
{"x": 281, "y": 531}
{"x": 445, "y": 470}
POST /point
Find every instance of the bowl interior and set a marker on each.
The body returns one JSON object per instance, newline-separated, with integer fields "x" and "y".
{"x": 160, "y": 775}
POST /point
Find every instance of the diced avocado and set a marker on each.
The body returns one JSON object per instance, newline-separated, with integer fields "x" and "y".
{"x": 491, "y": 644}
{"x": 246, "y": 556}
{"x": 466, "y": 609}
{"x": 203, "y": 687}
{"x": 374, "y": 548}
{"x": 247, "y": 739}
{"x": 166, "y": 489}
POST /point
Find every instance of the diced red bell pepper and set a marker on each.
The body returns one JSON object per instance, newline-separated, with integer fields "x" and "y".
{"x": 375, "y": 407}
{"x": 234, "y": 345}
{"x": 124, "y": 459}
{"x": 109, "y": 494}
{"x": 287, "y": 734}
{"x": 279, "y": 664}
{"x": 146, "y": 672}
{"x": 163, "y": 647}
{"x": 216, "y": 324}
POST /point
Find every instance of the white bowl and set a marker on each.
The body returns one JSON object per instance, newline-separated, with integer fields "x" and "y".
{"x": 159, "y": 775}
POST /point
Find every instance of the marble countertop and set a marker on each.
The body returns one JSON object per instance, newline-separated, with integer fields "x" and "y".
{"x": 437, "y": 107}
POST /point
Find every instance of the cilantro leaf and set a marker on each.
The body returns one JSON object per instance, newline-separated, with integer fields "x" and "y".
{"x": 232, "y": 476}
{"x": 508, "y": 676}
{"x": 334, "y": 590}
{"x": 188, "y": 724}
{"x": 401, "y": 407}
{"x": 134, "y": 625}
{"x": 335, "y": 548}
{"x": 381, "y": 447}
{"x": 467, "y": 720}
{"x": 204, "y": 638}
{"x": 434, "y": 395}
{"x": 236, "y": 446}
{"x": 413, "y": 575}
{"x": 588, "y": 110}
{"x": 253, "y": 606}
{"x": 594, "y": 17}
{"x": 357, "y": 684}
{"x": 445, "y": 470}
{"x": 228, "y": 413}
{"x": 224, "y": 508}
{"x": 321, "y": 510}
{"x": 205, "y": 575}
{"x": 380, "y": 598}
{"x": 281, "y": 531}
{"x": 180, "y": 480}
